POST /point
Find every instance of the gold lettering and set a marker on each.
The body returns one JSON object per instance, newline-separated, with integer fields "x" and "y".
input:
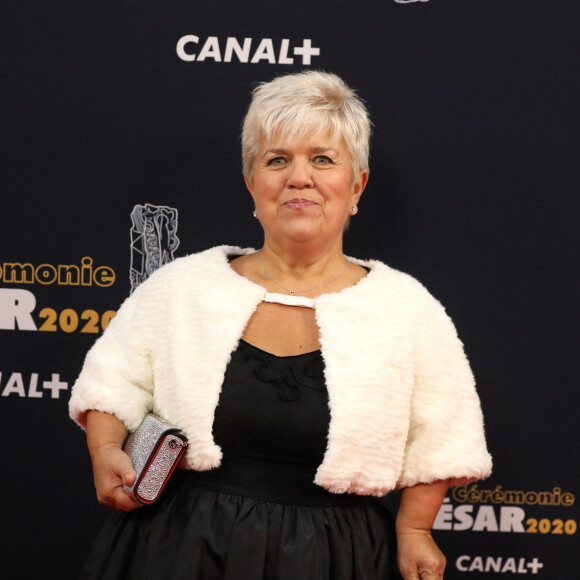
{"x": 568, "y": 499}
{"x": 516, "y": 497}
{"x": 15, "y": 273}
{"x": 104, "y": 276}
{"x": 61, "y": 274}
{"x": 87, "y": 268}
{"x": 498, "y": 496}
{"x": 459, "y": 493}
{"x": 531, "y": 498}
{"x": 471, "y": 494}
{"x": 46, "y": 274}
{"x": 68, "y": 275}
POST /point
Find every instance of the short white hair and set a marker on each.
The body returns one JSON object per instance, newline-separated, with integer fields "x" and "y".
{"x": 294, "y": 105}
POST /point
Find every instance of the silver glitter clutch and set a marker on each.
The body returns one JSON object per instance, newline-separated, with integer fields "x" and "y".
{"x": 155, "y": 449}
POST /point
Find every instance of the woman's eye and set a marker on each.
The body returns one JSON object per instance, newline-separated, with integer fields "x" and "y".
{"x": 322, "y": 160}
{"x": 276, "y": 161}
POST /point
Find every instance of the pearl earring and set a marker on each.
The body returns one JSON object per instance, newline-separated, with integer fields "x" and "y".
{"x": 354, "y": 209}
{"x": 255, "y": 214}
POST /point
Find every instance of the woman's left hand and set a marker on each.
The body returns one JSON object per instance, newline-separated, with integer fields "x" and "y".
{"x": 419, "y": 557}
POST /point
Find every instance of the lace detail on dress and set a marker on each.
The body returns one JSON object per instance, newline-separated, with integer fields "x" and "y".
{"x": 289, "y": 374}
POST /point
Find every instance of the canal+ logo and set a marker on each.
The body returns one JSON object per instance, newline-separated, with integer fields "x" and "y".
{"x": 192, "y": 48}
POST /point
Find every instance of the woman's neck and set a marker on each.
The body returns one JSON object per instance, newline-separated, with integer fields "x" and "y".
{"x": 301, "y": 261}
{"x": 306, "y": 273}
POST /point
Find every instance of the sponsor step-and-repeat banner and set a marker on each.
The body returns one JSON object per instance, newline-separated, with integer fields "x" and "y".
{"x": 482, "y": 509}
{"x": 120, "y": 153}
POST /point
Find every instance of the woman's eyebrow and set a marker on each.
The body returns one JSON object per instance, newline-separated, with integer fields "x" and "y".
{"x": 283, "y": 151}
{"x": 323, "y": 150}
{"x": 276, "y": 150}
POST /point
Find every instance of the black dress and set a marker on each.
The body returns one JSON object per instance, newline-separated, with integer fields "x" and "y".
{"x": 259, "y": 516}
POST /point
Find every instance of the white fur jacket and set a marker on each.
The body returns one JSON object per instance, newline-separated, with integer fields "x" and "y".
{"x": 403, "y": 404}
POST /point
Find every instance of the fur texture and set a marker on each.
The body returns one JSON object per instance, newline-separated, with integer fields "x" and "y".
{"x": 404, "y": 409}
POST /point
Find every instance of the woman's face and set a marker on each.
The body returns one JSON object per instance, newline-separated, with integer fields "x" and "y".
{"x": 304, "y": 190}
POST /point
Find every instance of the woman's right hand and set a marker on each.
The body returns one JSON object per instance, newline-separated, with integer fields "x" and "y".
{"x": 111, "y": 465}
{"x": 111, "y": 469}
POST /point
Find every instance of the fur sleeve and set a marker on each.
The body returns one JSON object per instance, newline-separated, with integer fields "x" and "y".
{"x": 117, "y": 377}
{"x": 446, "y": 437}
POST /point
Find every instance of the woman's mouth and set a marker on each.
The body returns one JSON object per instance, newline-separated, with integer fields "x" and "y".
{"x": 298, "y": 203}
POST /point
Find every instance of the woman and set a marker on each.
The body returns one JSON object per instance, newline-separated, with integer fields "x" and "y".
{"x": 306, "y": 382}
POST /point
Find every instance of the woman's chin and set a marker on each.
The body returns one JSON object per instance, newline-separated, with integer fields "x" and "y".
{"x": 301, "y": 233}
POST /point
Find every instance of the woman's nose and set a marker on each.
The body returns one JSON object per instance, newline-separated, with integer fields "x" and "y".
{"x": 300, "y": 175}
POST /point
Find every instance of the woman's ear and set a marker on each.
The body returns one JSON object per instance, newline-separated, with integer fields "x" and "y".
{"x": 359, "y": 186}
{"x": 249, "y": 185}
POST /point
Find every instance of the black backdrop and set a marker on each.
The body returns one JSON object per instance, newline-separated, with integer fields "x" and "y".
{"x": 474, "y": 170}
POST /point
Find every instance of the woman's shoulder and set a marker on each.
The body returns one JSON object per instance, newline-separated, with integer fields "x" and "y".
{"x": 197, "y": 278}
{"x": 387, "y": 293}
{"x": 385, "y": 285}
{"x": 381, "y": 275}
{"x": 213, "y": 259}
